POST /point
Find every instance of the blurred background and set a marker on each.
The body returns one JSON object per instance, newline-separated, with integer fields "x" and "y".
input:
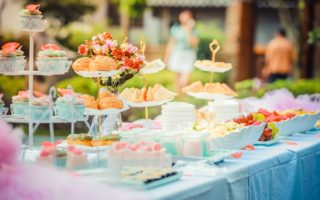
{"x": 243, "y": 28}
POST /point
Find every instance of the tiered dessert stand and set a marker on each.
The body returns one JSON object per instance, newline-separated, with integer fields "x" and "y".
{"x": 33, "y": 124}
{"x": 99, "y": 115}
{"x": 211, "y": 66}
{"x": 150, "y": 68}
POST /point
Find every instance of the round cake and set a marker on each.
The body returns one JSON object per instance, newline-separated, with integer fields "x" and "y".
{"x": 177, "y": 115}
{"x": 224, "y": 110}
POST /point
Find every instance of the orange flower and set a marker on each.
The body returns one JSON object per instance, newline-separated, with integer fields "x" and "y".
{"x": 118, "y": 54}
{"x": 33, "y": 8}
{"x": 83, "y": 49}
{"x": 10, "y": 47}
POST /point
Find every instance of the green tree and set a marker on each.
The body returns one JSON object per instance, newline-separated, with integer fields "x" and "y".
{"x": 66, "y": 11}
{"x": 129, "y": 9}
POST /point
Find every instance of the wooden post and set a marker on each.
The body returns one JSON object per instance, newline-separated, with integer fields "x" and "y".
{"x": 246, "y": 41}
{"x": 307, "y": 50}
{"x": 240, "y": 38}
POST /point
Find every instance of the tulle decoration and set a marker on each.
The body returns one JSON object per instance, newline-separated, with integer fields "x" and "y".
{"x": 34, "y": 182}
{"x": 281, "y": 99}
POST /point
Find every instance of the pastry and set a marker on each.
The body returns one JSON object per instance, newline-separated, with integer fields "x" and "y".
{"x": 90, "y": 102}
{"x": 106, "y": 140}
{"x": 80, "y": 139}
{"x": 194, "y": 87}
{"x": 155, "y": 93}
{"x": 160, "y": 93}
{"x": 111, "y": 102}
{"x": 81, "y": 64}
{"x": 103, "y": 63}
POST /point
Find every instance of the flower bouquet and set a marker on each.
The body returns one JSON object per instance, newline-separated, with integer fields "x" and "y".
{"x": 103, "y": 53}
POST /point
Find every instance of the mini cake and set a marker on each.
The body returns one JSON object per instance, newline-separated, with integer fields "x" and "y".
{"x": 224, "y": 110}
{"x": 47, "y": 156}
{"x": 80, "y": 139}
{"x": 70, "y": 107}
{"x": 76, "y": 158}
{"x": 31, "y": 18}
{"x": 81, "y": 64}
{"x": 145, "y": 154}
{"x": 11, "y": 57}
{"x": 103, "y": 63}
{"x": 52, "y": 59}
{"x": 175, "y": 115}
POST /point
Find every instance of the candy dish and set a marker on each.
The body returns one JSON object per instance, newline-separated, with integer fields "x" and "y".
{"x": 90, "y": 111}
{"x": 147, "y": 178}
{"x": 30, "y": 18}
{"x": 148, "y": 103}
{"x": 97, "y": 74}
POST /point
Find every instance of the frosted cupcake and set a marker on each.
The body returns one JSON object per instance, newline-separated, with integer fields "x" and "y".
{"x": 31, "y": 18}
{"x": 52, "y": 59}
{"x": 11, "y": 57}
{"x": 2, "y": 108}
{"x": 41, "y": 109}
{"x": 19, "y": 106}
{"x": 70, "y": 107}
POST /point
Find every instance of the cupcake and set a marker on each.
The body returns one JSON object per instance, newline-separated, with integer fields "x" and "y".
{"x": 41, "y": 109}
{"x": 11, "y": 57}
{"x": 103, "y": 63}
{"x": 31, "y": 18}
{"x": 2, "y": 108}
{"x": 76, "y": 158}
{"x": 52, "y": 59}
{"x": 19, "y": 106}
{"x": 70, "y": 107}
{"x": 81, "y": 64}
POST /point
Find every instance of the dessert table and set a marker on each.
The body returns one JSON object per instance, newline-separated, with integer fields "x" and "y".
{"x": 288, "y": 170}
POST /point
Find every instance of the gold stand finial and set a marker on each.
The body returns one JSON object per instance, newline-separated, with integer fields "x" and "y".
{"x": 142, "y": 46}
{"x": 214, "y": 48}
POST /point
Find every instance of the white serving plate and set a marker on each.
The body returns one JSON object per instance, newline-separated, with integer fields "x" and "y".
{"x": 97, "y": 74}
{"x": 90, "y": 111}
{"x": 85, "y": 148}
{"x": 148, "y": 103}
{"x": 255, "y": 134}
{"x": 152, "y": 67}
{"x": 270, "y": 142}
{"x": 214, "y": 68}
{"x": 235, "y": 140}
{"x": 208, "y": 96}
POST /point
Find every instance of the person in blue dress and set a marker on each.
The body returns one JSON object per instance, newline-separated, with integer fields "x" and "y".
{"x": 181, "y": 52}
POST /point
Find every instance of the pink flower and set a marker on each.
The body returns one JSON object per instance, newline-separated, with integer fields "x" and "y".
{"x": 110, "y": 44}
{"x": 83, "y": 49}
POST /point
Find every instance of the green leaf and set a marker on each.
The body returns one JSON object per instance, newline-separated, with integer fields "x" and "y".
{"x": 274, "y": 129}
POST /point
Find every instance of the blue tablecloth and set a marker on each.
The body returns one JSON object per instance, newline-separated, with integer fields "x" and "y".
{"x": 288, "y": 170}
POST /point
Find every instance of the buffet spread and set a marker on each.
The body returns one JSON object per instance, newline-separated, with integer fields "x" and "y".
{"x": 141, "y": 155}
